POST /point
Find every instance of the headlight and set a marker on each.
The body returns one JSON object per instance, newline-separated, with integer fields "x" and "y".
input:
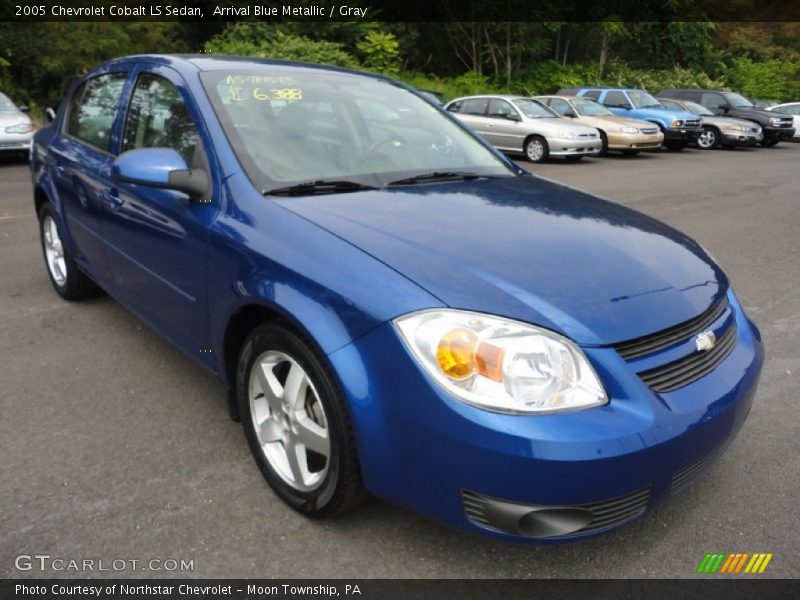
{"x": 677, "y": 123}
{"x": 774, "y": 121}
{"x": 21, "y": 128}
{"x": 629, "y": 129}
{"x": 735, "y": 128}
{"x": 501, "y": 365}
{"x": 566, "y": 134}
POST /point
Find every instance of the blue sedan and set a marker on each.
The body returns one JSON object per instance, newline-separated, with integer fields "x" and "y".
{"x": 395, "y": 307}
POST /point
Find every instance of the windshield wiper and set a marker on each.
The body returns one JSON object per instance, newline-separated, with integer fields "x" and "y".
{"x": 436, "y": 176}
{"x": 320, "y": 186}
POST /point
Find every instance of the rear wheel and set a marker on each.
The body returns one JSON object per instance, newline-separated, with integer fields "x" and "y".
{"x": 708, "y": 139}
{"x": 536, "y": 149}
{"x": 296, "y": 423}
{"x": 68, "y": 280}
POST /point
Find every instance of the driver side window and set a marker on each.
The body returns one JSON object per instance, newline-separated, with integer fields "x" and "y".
{"x": 711, "y": 101}
{"x": 616, "y": 99}
{"x": 158, "y": 118}
{"x": 560, "y": 106}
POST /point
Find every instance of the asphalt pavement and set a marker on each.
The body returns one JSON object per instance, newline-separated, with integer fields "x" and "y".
{"x": 114, "y": 446}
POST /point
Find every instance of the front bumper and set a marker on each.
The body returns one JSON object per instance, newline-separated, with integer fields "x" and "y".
{"x": 421, "y": 448}
{"x": 682, "y": 134}
{"x": 576, "y": 147}
{"x": 778, "y": 133}
{"x": 634, "y": 141}
{"x": 741, "y": 138}
{"x": 14, "y": 142}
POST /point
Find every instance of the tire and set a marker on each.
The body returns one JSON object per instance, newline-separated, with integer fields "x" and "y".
{"x": 536, "y": 149}
{"x": 709, "y": 139}
{"x": 630, "y": 152}
{"x": 312, "y": 483}
{"x": 604, "y": 142}
{"x": 68, "y": 280}
{"x": 675, "y": 146}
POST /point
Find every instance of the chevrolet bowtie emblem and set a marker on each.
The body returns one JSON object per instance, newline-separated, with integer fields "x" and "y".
{"x": 705, "y": 341}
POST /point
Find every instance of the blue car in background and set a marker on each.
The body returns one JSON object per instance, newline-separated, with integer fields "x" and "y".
{"x": 394, "y": 306}
{"x": 680, "y": 128}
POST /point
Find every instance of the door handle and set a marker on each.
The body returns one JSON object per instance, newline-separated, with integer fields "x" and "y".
{"x": 112, "y": 200}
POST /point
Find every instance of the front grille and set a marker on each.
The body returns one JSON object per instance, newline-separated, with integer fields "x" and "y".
{"x": 692, "y": 123}
{"x": 607, "y": 514}
{"x": 649, "y": 131}
{"x": 681, "y": 479}
{"x": 588, "y": 135}
{"x": 667, "y": 337}
{"x": 684, "y": 371}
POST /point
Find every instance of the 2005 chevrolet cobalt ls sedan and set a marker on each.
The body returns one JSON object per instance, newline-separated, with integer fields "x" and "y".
{"x": 395, "y": 306}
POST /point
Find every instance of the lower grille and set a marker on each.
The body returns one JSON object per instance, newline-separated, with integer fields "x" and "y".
{"x": 510, "y": 516}
{"x": 684, "y": 477}
{"x": 684, "y": 371}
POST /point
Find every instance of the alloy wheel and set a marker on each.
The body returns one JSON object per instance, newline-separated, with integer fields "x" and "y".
{"x": 54, "y": 251}
{"x": 707, "y": 139}
{"x": 289, "y": 421}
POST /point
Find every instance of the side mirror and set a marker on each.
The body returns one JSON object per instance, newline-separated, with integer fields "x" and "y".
{"x": 49, "y": 115}
{"x": 159, "y": 168}
{"x": 23, "y": 108}
{"x": 723, "y": 107}
{"x": 571, "y": 114}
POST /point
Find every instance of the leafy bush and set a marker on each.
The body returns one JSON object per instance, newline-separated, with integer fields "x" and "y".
{"x": 771, "y": 79}
{"x": 380, "y": 51}
{"x": 247, "y": 39}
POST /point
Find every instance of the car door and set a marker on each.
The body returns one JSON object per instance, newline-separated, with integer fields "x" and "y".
{"x": 157, "y": 238}
{"x": 503, "y": 125}
{"x": 79, "y": 157}
{"x": 473, "y": 112}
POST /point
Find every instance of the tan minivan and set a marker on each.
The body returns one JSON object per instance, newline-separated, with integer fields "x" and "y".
{"x": 617, "y": 133}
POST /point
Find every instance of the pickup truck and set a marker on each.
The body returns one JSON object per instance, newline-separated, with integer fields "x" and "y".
{"x": 680, "y": 128}
{"x": 776, "y": 127}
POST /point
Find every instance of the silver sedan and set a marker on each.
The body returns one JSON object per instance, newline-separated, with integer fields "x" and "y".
{"x": 522, "y": 125}
{"x": 16, "y": 128}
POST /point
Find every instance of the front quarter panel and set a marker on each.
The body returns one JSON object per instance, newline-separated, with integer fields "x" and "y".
{"x": 263, "y": 254}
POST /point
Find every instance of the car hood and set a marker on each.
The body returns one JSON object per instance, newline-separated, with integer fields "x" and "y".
{"x": 529, "y": 249}
{"x": 601, "y": 120}
{"x": 723, "y": 121}
{"x": 753, "y": 111}
{"x": 13, "y": 117}
{"x": 556, "y": 123}
{"x": 657, "y": 112}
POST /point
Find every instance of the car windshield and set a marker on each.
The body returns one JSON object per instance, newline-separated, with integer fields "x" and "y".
{"x": 299, "y": 125}
{"x": 698, "y": 109}
{"x": 6, "y": 105}
{"x": 737, "y": 100}
{"x": 534, "y": 109}
{"x": 642, "y": 99}
{"x": 589, "y": 108}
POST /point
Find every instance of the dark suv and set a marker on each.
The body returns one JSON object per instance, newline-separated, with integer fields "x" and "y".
{"x": 731, "y": 104}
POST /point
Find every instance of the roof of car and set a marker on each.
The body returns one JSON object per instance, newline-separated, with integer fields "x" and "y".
{"x": 563, "y": 96}
{"x": 219, "y": 62}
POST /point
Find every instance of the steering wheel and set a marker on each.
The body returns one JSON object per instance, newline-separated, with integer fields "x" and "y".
{"x": 382, "y": 142}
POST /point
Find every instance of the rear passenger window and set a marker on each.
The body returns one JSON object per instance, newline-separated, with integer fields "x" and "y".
{"x": 158, "y": 118}
{"x": 93, "y": 108}
{"x": 474, "y": 106}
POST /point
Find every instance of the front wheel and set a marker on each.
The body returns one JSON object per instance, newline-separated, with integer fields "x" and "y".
{"x": 536, "y": 149}
{"x": 708, "y": 139}
{"x": 604, "y": 142}
{"x": 68, "y": 280}
{"x": 296, "y": 423}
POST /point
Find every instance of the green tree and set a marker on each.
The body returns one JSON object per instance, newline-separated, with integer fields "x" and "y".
{"x": 380, "y": 51}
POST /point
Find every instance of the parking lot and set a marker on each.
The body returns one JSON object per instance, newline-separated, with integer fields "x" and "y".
{"x": 116, "y": 446}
